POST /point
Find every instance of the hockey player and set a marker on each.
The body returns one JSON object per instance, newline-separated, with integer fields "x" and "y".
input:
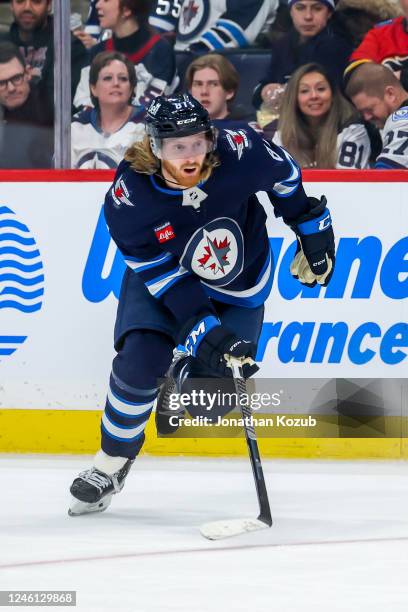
{"x": 184, "y": 213}
{"x": 212, "y": 25}
{"x": 380, "y": 97}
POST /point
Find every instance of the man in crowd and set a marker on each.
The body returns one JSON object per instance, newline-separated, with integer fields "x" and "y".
{"x": 311, "y": 39}
{"x": 33, "y": 32}
{"x": 380, "y": 97}
{"x": 26, "y": 134}
{"x": 214, "y": 82}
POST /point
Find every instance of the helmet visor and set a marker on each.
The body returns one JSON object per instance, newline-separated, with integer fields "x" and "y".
{"x": 184, "y": 147}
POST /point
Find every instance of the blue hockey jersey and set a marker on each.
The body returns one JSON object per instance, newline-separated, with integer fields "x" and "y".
{"x": 210, "y": 25}
{"x": 208, "y": 241}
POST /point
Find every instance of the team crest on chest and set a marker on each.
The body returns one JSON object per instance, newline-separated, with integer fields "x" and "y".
{"x": 215, "y": 252}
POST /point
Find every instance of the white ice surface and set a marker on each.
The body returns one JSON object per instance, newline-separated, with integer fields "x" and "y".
{"x": 339, "y": 542}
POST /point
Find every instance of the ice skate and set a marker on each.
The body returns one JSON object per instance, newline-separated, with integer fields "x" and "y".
{"x": 93, "y": 489}
{"x": 172, "y": 384}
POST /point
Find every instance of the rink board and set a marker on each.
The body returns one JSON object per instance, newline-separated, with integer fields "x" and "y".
{"x": 58, "y": 295}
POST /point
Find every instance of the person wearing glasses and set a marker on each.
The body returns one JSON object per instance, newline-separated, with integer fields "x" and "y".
{"x": 26, "y": 134}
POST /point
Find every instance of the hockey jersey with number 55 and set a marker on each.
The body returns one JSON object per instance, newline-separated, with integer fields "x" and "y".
{"x": 213, "y": 24}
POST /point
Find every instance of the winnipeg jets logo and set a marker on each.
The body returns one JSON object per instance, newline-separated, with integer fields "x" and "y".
{"x": 120, "y": 194}
{"x": 215, "y": 256}
{"x": 238, "y": 141}
{"x": 215, "y": 252}
{"x": 189, "y": 12}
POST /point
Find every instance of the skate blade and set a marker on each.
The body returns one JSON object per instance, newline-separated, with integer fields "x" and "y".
{"x": 78, "y": 507}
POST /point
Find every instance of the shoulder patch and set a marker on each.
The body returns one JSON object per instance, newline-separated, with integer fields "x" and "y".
{"x": 120, "y": 193}
{"x": 401, "y": 113}
{"x": 238, "y": 141}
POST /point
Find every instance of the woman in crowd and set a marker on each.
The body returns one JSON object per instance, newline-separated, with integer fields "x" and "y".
{"x": 152, "y": 55}
{"x": 101, "y": 135}
{"x": 318, "y": 126}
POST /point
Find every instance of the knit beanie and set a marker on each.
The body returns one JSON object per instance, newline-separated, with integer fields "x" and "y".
{"x": 330, "y": 3}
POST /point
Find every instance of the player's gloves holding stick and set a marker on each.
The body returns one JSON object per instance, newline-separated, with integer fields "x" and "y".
{"x": 315, "y": 253}
{"x": 210, "y": 342}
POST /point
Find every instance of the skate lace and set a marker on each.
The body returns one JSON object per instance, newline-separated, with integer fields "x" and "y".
{"x": 99, "y": 480}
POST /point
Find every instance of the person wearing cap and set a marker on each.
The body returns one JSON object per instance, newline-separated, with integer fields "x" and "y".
{"x": 311, "y": 39}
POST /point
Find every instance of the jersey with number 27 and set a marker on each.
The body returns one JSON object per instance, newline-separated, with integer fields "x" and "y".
{"x": 395, "y": 140}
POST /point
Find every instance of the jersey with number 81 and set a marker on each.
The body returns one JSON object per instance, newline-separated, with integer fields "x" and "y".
{"x": 395, "y": 141}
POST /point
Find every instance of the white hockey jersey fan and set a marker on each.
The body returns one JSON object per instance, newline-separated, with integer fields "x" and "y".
{"x": 353, "y": 147}
{"x": 214, "y": 24}
{"x": 395, "y": 141}
{"x": 92, "y": 148}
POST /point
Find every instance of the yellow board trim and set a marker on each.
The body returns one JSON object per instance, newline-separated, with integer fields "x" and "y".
{"x": 77, "y": 431}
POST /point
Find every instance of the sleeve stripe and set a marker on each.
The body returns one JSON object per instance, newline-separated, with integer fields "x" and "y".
{"x": 139, "y": 265}
{"x": 161, "y": 24}
{"x": 286, "y": 188}
{"x": 388, "y": 164}
{"x": 233, "y": 30}
{"x": 212, "y": 40}
{"x": 157, "y": 286}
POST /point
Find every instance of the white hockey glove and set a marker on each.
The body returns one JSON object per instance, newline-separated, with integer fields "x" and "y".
{"x": 315, "y": 254}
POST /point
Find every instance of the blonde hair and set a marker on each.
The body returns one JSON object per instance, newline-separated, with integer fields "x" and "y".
{"x": 142, "y": 159}
{"x": 312, "y": 146}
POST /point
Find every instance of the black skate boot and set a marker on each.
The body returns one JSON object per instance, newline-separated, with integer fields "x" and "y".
{"x": 92, "y": 490}
{"x": 175, "y": 376}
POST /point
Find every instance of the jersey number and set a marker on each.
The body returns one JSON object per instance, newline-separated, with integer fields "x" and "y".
{"x": 164, "y": 7}
{"x": 401, "y": 134}
{"x": 351, "y": 155}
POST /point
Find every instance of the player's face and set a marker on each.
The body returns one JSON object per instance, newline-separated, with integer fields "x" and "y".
{"x": 309, "y": 17}
{"x": 315, "y": 96}
{"x": 183, "y": 158}
{"x": 207, "y": 89}
{"x": 112, "y": 87}
{"x": 30, "y": 14}
{"x": 108, "y": 13}
{"x": 372, "y": 108}
{"x": 14, "y": 84}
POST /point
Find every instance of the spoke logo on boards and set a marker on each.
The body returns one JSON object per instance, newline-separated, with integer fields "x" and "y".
{"x": 21, "y": 281}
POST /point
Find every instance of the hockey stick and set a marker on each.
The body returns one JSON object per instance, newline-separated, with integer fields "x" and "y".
{"x": 217, "y": 530}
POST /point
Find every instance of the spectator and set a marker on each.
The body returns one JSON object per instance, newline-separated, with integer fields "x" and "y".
{"x": 380, "y": 97}
{"x": 213, "y": 25}
{"x": 101, "y": 135}
{"x": 26, "y": 134}
{"x": 318, "y": 126}
{"x": 214, "y": 82}
{"x": 387, "y": 44}
{"x": 33, "y": 32}
{"x": 152, "y": 56}
{"x": 310, "y": 39}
